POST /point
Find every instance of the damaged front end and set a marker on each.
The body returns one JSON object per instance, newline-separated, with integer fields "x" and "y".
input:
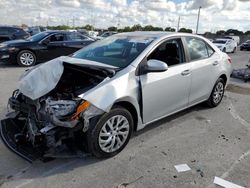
{"x": 55, "y": 124}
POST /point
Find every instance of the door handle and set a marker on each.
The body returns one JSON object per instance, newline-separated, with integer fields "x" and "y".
{"x": 185, "y": 72}
{"x": 215, "y": 63}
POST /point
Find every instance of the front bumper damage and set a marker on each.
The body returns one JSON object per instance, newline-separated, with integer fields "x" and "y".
{"x": 33, "y": 139}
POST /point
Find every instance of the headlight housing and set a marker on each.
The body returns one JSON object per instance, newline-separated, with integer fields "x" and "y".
{"x": 60, "y": 108}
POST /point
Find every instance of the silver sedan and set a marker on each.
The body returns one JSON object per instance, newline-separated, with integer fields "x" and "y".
{"x": 116, "y": 86}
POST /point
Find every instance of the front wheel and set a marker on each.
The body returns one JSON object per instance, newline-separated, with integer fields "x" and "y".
{"x": 111, "y": 133}
{"x": 217, "y": 93}
{"x": 26, "y": 58}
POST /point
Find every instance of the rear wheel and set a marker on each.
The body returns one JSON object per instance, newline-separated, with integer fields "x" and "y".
{"x": 26, "y": 58}
{"x": 217, "y": 93}
{"x": 111, "y": 133}
{"x": 234, "y": 50}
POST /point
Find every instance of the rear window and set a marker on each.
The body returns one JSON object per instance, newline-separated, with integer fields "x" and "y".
{"x": 219, "y": 41}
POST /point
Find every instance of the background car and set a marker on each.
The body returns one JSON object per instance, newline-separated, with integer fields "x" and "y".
{"x": 234, "y": 37}
{"x": 43, "y": 46}
{"x": 105, "y": 91}
{"x": 106, "y": 34}
{"x": 226, "y": 45}
{"x": 35, "y": 30}
{"x": 12, "y": 33}
{"x": 245, "y": 45}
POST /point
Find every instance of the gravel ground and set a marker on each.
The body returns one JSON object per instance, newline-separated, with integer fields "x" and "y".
{"x": 213, "y": 142}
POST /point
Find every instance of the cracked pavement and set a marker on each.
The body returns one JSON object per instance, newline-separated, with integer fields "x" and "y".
{"x": 213, "y": 142}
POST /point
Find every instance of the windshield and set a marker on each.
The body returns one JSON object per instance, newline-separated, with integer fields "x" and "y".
{"x": 117, "y": 50}
{"x": 38, "y": 36}
{"x": 220, "y": 41}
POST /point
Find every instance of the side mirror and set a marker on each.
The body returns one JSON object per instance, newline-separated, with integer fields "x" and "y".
{"x": 154, "y": 65}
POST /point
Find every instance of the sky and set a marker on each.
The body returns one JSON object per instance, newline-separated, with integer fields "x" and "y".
{"x": 214, "y": 15}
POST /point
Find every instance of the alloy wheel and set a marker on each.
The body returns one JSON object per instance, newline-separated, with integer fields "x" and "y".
{"x": 27, "y": 59}
{"x": 218, "y": 92}
{"x": 114, "y": 133}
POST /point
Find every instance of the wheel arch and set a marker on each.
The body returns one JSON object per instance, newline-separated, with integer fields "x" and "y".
{"x": 224, "y": 77}
{"x": 131, "y": 108}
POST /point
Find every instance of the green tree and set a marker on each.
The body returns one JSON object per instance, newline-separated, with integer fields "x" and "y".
{"x": 247, "y": 33}
{"x": 89, "y": 27}
{"x": 136, "y": 27}
{"x": 59, "y": 27}
{"x": 112, "y": 28}
{"x": 184, "y": 30}
{"x": 148, "y": 28}
{"x": 126, "y": 29}
{"x": 234, "y": 32}
{"x": 220, "y": 32}
{"x": 170, "y": 29}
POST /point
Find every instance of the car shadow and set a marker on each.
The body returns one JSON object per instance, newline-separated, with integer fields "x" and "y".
{"x": 168, "y": 119}
{"x": 39, "y": 169}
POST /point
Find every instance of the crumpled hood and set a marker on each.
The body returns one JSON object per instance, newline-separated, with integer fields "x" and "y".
{"x": 41, "y": 79}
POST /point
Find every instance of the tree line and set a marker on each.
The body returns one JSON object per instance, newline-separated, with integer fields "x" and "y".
{"x": 138, "y": 27}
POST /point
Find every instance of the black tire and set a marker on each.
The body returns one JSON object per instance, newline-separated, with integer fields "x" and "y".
{"x": 234, "y": 50}
{"x": 30, "y": 54}
{"x": 95, "y": 129}
{"x": 211, "y": 102}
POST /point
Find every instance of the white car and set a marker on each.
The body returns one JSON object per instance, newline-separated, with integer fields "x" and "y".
{"x": 226, "y": 45}
{"x": 95, "y": 99}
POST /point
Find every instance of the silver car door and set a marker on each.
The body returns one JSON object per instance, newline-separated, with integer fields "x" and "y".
{"x": 204, "y": 64}
{"x": 166, "y": 92}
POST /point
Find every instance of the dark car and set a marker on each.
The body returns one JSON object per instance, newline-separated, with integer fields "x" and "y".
{"x": 42, "y": 47}
{"x": 12, "y": 33}
{"x": 245, "y": 45}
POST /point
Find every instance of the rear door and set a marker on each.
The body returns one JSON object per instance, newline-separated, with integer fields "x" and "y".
{"x": 58, "y": 46}
{"x": 4, "y": 34}
{"x": 76, "y": 41}
{"x": 166, "y": 92}
{"x": 204, "y": 62}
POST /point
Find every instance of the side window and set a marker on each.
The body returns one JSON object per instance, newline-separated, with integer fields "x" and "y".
{"x": 197, "y": 48}
{"x": 4, "y": 31}
{"x": 75, "y": 36}
{"x": 170, "y": 52}
{"x": 56, "y": 38}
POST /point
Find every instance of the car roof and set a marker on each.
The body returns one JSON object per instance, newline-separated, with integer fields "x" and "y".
{"x": 14, "y": 27}
{"x": 59, "y": 31}
{"x": 154, "y": 34}
{"x": 223, "y": 39}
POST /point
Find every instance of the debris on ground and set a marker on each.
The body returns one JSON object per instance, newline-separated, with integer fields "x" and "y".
{"x": 243, "y": 74}
{"x": 224, "y": 183}
{"x": 182, "y": 168}
{"x": 123, "y": 185}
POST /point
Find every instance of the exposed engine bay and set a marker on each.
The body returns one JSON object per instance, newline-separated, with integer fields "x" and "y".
{"x": 57, "y": 121}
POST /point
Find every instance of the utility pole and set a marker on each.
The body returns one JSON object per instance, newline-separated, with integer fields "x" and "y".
{"x": 73, "y": 22}
{"x": 178, "y": 25}
{"x": 198, "y": 20}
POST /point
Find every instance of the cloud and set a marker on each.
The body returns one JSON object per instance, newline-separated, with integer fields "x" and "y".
{"x": 105, "y": 13}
